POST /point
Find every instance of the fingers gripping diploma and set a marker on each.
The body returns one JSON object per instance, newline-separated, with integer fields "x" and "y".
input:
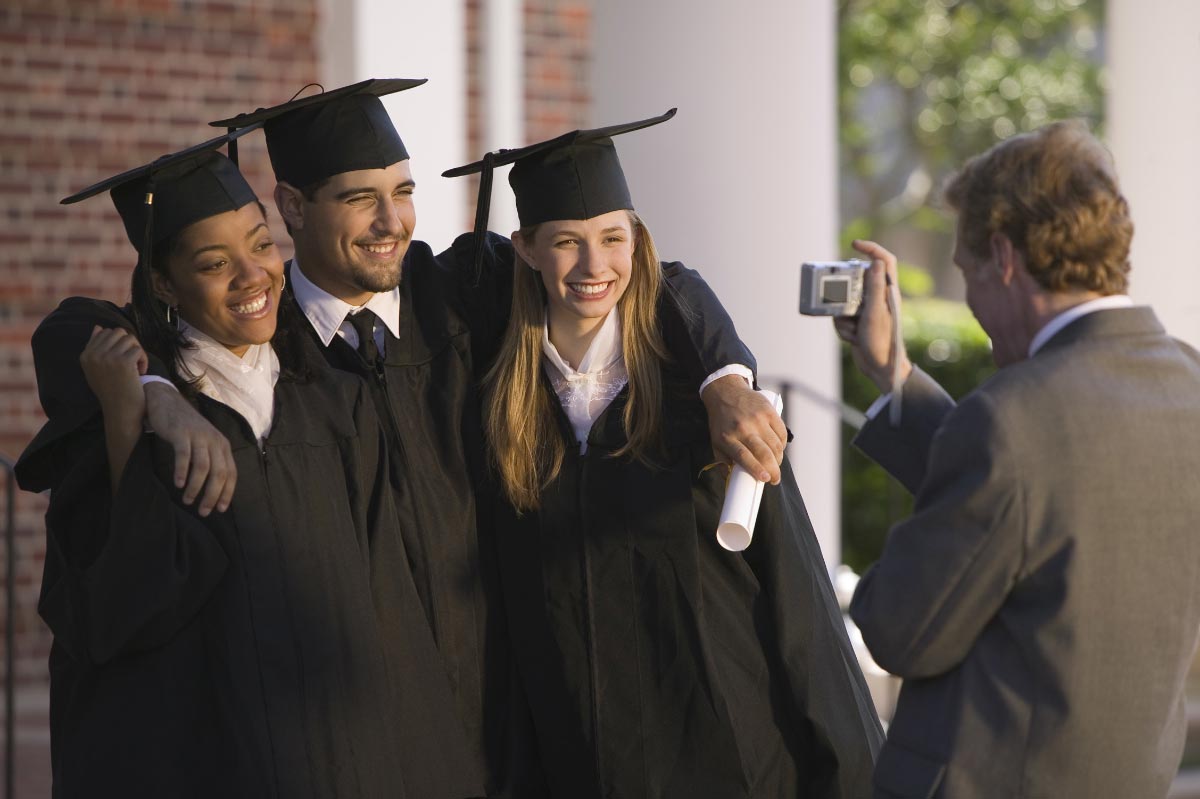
{"x": 871, "y": 333}
{"x": 745, "y": 428}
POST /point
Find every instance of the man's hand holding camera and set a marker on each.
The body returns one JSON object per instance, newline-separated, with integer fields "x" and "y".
{"x": 870, "y": 332}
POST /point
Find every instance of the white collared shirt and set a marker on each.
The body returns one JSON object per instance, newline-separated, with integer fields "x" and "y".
{"x": 246, "y": 384}
{"x": 328, "y": 314}
{"x": 585, "y": 392}
{"x": 1071, "y": 314}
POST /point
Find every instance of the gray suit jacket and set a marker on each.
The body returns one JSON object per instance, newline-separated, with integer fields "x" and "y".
{"x": 1042, "y": 603}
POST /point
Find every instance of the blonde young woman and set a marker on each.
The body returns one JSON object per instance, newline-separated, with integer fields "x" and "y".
{"x": 656, "y": 663}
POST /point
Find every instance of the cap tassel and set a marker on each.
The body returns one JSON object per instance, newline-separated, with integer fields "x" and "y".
{"x": 482, "y": 209}
{"x": 140, "y": 283}
{"x": 233, "y": 148}
{"x": 148, "y": 234}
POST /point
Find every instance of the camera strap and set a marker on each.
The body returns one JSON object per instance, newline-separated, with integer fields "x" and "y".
{"x": 894, "y": 406}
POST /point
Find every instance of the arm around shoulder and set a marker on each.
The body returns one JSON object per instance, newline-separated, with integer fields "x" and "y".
{"x": 697, "y": 326}
{"x": 69, "y": 402}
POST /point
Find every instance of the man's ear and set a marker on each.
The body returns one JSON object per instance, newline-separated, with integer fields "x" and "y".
{"x": 1005, "y": 258}
{"x": 524, "y": 251}
{"x": 290, "y": 202}
{"x": 162, "y": 288}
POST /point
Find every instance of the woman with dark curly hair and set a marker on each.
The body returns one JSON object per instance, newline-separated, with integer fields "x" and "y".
{"x": 274, "y": 647}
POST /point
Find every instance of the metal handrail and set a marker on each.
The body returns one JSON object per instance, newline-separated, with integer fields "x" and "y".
{"x": 849, "y": 415}
{"x": 10, "y": 636}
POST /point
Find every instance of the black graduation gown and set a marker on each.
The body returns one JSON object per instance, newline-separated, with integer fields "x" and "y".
{"x": 425, "y": 393}
{"x": 428, "y": 404}
{"x": 659, "y": 665}
{"x": 452, "y": 321}
{"x": 275, "y": 650}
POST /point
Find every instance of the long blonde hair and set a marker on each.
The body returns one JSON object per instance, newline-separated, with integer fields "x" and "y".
{"x": 526, "y": 445}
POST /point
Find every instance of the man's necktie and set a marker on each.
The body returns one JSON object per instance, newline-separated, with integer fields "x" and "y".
{"x": 363, "y": 323}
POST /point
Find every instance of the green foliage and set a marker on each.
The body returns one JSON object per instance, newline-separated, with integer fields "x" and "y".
{"x": 914, "y": 281}
{"x": 925, "y": 84}
{"x": 922, "y": 86}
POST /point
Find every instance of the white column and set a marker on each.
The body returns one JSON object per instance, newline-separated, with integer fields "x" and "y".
{"x": 1153, "y": 127}
{"x": 363, "y": 39}
{"x": 503, "y": 99}
{"x": 742, "y": 184}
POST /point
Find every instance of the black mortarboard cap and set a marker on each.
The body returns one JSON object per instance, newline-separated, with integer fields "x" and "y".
{"x": 159, "y": 199}
{"x": 574, "y": 176}
{"x": 322, "y": 135}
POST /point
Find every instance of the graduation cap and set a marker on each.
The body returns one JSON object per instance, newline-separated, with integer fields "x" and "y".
{"x": 159, "y": 199}
{"x": 316, "y": 137}
{"x": 574, "y": 176}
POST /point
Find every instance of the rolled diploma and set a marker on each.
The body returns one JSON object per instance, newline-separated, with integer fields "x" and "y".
{"x": 743, "y": 494}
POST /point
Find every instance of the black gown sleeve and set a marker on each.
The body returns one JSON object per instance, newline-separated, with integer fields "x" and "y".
{"x": 432, "y": 747}
{"x": 67, "y": 399}
{"x": 822, "y": 672}
{"x": 124, "y": 571}
{"x": 696, "y": 329}
{"x": 484, "y": 299}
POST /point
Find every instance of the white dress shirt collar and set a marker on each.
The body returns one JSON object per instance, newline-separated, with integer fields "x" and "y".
{"x": 585, "y": 392}
{"x": 326, "y": 312}
{"x": 604, "y": 350}
{"x": 1071, "y": 314}
{"x": 245, "y": 384}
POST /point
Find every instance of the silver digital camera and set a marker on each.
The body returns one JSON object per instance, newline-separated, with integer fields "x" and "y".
{"x": 832, "y": 288}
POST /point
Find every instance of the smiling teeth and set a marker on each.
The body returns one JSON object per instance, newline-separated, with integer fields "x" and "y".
{"x": 254, "y": 306}
{"x": 382, "y": 249}
{"x": 588, "y": 288}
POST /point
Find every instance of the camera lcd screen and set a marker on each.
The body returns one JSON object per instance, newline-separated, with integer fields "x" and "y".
{"x": 835, "y": 289}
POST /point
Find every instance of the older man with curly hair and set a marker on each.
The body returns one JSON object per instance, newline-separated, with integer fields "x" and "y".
{"x": 1042, "y": 603}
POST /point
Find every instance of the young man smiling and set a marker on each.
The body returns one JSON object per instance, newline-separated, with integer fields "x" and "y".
{"x": 356, "y": 228}
{"x": 421, "y": 329}
{"x": 428, "y": 338}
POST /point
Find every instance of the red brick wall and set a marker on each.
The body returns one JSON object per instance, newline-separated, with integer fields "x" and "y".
{"x": 557, "y": 55}
{"x": 557, "y": 52}
{"x": 90, "y": 88}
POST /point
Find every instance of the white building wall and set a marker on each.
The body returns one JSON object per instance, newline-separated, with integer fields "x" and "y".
{"x": 1153, "y": 125}
{"x": 503, "y": 45}
{"x": 742, "y": 184}
{"x": 363, "y": 39}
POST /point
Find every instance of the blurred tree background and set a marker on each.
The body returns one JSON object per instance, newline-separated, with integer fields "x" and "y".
{"x": 922, "y": 86}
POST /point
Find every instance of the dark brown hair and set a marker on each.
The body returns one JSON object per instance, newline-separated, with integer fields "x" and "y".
{"x": 161, "y": 338}
{"x": 1054, "y": 194}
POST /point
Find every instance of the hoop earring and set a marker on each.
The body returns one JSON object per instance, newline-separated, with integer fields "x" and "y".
{"x": 173, "y": 322}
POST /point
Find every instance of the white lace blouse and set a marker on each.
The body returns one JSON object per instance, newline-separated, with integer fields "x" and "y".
{"x": 585, "y": 392}
{"x": 246, "y": 384}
